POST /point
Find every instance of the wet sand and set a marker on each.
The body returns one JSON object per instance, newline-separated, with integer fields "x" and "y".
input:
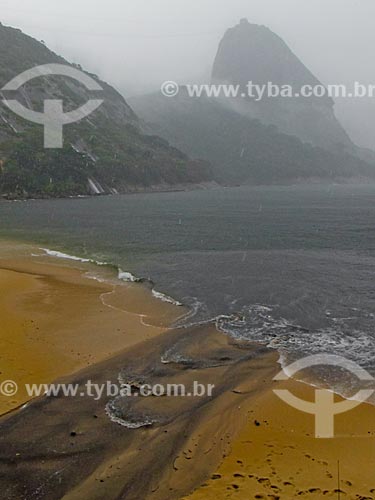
{"x": 75, "y": 451}
{"x": 282, "y": 459}
{"x": 242, "y": 442}
{"x": 55, "y": 321}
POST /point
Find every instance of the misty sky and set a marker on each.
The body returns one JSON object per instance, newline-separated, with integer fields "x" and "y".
{"x": 137, "y": 44}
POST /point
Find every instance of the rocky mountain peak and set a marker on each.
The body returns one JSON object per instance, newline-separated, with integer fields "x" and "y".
{"x": 253, "y": 53}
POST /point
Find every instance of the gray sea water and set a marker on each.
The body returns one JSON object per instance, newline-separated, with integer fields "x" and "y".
{"x": 291, "y": 266}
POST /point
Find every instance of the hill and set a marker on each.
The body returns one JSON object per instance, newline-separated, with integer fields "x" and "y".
{"x": 275, "y": 139}
{"x": 106, "y": 152}
{"x": 253, "y": 53}
{"x": 242, "y": 150}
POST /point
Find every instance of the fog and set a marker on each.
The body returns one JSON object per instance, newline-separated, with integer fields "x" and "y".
{"x": 138, "y": 44}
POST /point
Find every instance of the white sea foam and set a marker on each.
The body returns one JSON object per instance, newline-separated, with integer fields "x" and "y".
{"x": 121, "y": 275}
{"x": 110, "y": 410}
{"x": 62, "y": 255}
{"x": 165, "y": 298}
{"x": 256, "y": 323}
{"x": 126, "y": 276}
{"x": 127, "y": 423}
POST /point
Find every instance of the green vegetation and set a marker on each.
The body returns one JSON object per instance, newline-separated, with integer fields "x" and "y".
{"x": 108, "y": 146}
{"x": 34, "y": 171}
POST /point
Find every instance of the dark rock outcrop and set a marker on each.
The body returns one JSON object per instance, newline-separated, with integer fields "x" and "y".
{"x": 273, "y": 140}
{"x": 253, "y": 53}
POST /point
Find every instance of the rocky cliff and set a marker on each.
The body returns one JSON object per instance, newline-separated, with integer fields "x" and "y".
{"x": 253, "y": 53}
{"x": 103, "y": 153}
{"x": 272, "y": 140}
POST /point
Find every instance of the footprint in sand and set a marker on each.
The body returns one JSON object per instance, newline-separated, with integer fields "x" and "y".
{"x": 311, "y": 490}
{"x": 264, "y": 480}
{"x": 336, "y": 491}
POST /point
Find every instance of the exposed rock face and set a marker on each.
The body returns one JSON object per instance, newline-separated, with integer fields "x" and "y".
{"x": 104, "y": 153}
{"x": 274, "y": 140}
{"x": 20, "y": 52}
{"x": 253, "y": 53}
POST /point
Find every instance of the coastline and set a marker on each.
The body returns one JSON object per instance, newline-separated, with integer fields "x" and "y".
{"x": 203, "y": 186}
{"x": 58, "y": 327}
{"x": 76, "y": 451}
{"x": 57, "y": 319}
{"x": 128, "y": 190}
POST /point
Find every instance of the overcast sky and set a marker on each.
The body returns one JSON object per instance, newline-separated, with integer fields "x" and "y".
{"x": 137, "y": 44}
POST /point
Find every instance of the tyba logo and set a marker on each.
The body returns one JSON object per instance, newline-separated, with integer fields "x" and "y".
{"x": 53, "y": 118}
{"x": 324, "y": 408}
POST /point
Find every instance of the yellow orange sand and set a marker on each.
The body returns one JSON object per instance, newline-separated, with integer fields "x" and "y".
{"x": 282, "y": 459}
{"x": 55, "y": 321}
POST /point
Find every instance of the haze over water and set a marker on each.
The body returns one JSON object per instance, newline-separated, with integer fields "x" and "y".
{"x": 291, "y": 266}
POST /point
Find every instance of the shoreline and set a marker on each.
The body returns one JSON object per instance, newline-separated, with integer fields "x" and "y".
{"x": 70, "y": 448}
{"x": 308, "y": 181}
{"x": 177, "y": 188}
{"x": 90, "y": 456}
{"x": 57, "y": 320}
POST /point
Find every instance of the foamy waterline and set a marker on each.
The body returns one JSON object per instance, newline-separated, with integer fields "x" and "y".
{"x": 127, "y": 423}
{"x": 165, "y": 298}
{"x": 293, "y": 342}
{"x": 266, "y": 332}
{"x": 62, "y": 255}
{"x": 122, "y": 275}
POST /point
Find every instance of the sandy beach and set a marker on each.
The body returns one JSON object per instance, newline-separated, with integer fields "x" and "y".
{"x": 241, "y": 443}
{"x": 56, "y": 321}
{"x": 282, "y": 459}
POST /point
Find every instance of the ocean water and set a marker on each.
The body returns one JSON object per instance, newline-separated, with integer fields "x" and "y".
{"x": 290, "y": 266}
